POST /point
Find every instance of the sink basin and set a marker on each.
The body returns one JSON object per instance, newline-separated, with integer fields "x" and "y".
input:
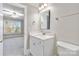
{"x": 43, "y": 37}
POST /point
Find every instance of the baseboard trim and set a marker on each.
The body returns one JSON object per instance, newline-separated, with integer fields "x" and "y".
{"x": 26, "y": 52}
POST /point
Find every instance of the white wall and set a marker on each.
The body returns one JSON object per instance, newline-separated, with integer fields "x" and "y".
{"x": 68, "y": 24}
{"x": 1, "y": 31}
{"x": 66, "y": 28}
{"x": 1, "y": 23}
{"x": 33, "y": 15}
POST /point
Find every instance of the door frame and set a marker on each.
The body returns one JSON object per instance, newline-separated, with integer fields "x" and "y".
{"x": 26, "y": 51}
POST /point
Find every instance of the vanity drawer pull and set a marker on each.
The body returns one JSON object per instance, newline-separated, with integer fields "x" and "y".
{"x": 39, "y": 42}
{"x": 33, "y": 43}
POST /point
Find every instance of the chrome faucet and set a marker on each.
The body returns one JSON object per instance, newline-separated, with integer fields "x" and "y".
{"x": 43, "y": 32}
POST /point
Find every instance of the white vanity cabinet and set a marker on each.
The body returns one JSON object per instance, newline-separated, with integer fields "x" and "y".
{"x": 42, "y": 45}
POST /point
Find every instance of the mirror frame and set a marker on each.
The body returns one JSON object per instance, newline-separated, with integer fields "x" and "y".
{"x": 48, "y": 21}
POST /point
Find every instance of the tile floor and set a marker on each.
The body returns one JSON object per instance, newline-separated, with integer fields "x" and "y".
{"x": 13, "y": 46}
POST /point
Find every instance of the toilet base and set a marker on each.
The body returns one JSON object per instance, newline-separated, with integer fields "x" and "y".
{"x": 65, "y": 52}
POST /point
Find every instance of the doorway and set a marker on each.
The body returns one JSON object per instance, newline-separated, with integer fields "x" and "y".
{"x": 13, "y": 30}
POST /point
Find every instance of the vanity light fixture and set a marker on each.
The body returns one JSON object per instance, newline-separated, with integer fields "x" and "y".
{"x": 43, "y": 6}
{"x": 40, "y": 8}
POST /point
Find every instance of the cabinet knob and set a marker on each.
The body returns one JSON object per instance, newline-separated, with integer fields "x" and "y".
{"x": 33, "y": 43}
{"x": 39, "y": 42}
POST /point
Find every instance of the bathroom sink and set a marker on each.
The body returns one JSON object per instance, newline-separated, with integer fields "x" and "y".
{"x": 43, "y": 37}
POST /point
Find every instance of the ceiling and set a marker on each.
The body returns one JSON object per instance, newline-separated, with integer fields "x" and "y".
{"x": 13, "y": 8}
{"x": 35, "y": 5}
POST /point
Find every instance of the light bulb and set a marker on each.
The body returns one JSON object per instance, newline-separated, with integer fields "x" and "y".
{"x": 45, "y": 4}
{"x": 40, "y": 8}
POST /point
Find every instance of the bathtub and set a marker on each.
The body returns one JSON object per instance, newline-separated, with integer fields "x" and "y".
{"x": 67, "y": 49}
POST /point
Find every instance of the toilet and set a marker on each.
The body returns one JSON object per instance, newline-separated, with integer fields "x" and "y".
{"x": 67, "y": 49}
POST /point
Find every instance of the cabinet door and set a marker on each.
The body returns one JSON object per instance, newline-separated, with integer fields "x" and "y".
{"x": 49, "y": 47}
{"x": 36, "y": 47}
{"x": 40, "y": 47}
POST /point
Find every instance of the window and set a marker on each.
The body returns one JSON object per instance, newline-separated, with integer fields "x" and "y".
{"x": 12, "y": 27}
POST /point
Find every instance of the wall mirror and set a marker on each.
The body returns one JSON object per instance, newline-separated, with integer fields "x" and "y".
{"x": 45, "y": 20}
